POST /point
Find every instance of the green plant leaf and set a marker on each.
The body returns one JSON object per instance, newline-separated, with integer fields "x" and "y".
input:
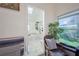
{"x": 54, "y": 29}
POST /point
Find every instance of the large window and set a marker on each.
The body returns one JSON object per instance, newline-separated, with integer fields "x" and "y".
{"x": 70, "y": 23}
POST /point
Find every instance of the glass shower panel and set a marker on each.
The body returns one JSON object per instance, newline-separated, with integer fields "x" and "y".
{"x": 35, "y": 31}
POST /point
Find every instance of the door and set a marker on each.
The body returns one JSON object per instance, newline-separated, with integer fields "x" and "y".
{"x": 35, "y": 31}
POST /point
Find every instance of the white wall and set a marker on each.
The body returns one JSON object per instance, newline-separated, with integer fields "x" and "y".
{"x": 62, "y": 8}
{"x": 12, "y": 23}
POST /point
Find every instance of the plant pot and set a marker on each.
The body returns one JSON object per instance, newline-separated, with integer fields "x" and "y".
{"x": 48, "y": 37}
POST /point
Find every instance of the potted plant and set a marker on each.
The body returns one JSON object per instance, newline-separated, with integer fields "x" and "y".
{"x": 54, "y": 29}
